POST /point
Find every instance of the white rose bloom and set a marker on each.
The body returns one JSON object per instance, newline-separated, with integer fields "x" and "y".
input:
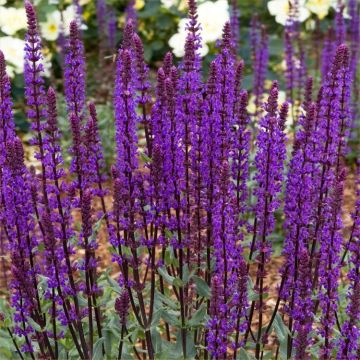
{"x": 177, "y": 42}
{"x": 281, "y": 8}
{"x": 12, "y": 20}
{"x": 179, "y": 4}
{"x": 169, "y": 3}
{"x": 51, "y": 28}
{"x": 320, "y": 7}
{"x": 212, "y": 17}
{"x": 69, "y": 14}
{"x": 13, "y": 50}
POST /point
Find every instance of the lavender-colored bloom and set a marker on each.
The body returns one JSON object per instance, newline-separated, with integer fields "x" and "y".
{"x": 235, "y": 24}
{"x": 269, "y": 164}
{"x": 7, "y": 132}
{"x": 20, "y": 226}
{"x": 126, "y": 121}
{"x": 226, "y": 90}
{"x": 122, "y": 306}
{"x": 260, "y": 63}
{"x": 6, "y": 114}
{"x": 329, "y": 269}
{"x": 240, "y": 152}
{"x": 198, "y": 191}
{"x": 54, "y": 161}
{"x": 308, "y": 93}
{"x": 86, "y": 215}
{"x": 74, "y": 74}
{"x": 78, "y": 13}
{"x": 101, "y": 19}
{"x": 101, "y": 30}
{"x": 142, "y": 86}
{"x": 217, "y": 334}
{"x": 94, "y": 164}
{"x": 78, "y": 152}
{"x": 211, "y": 154}
{"x": 289, "y": 53}
{"x": 227, "y": 253}
{"x": 34, "y": 83}
{"x": 112, "y": 28}
{"x": 303, "y": 307}
{"x": 189, "y": 100}
{"x": 340, "y": 27}
{"x": 127, "y": 37}
{"x": 296, "y": 272}
{"x": 333, "y": 117}
{"x": 298, "y": 202}
{"x": 174, "y": 162}
{"x": 327, "y": 52}
{"x": 130, "y": 13}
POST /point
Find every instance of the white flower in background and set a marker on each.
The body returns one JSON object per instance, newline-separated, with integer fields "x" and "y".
{"x": 70, "y": 14}
{"x": 177, "y": 41}
{"x": 12, "y": 20}
{"x": 2, "y": 2}
{"x": 212, "y": 17}
{"x": 169, "y": 3}
{"x": 179, "y": 4}
{"x": 13, "y": 50}
{"x": 281, "y": 8}
{"x": 47, "y": 56}
{"x": 320, "y": 7}
{"x": 51, "y": 28}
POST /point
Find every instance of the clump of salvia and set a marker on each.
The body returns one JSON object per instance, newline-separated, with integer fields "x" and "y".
{"x": 190, "y": 217}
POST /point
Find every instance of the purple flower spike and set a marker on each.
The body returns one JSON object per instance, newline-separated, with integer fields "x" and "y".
{"x": 269, "y": 164}
{"x": 74, "y": 73}
{"x": 122, "y": 306}
{"x": 6, "y": 113}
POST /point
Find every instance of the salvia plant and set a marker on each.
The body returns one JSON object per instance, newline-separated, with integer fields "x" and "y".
{"x": 192, "y": 206}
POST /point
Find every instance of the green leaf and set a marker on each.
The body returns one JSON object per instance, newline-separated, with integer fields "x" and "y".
{"x": 97, "y": 353}
{"x": 171, "y": 317}
{"x": 108, "y": 335}
{"x": 170, "y": 279}
{"x": 280, "y": 328}
{"x": 282, "y": 333}
{"x": 113, "y": 284}
{"x": 168, "y": 234}
{"x": 96, "y": 229}
{"x": 34, "y": 324}
{"x": 178, "y": 282}
{"x": 166, "y": 300}
{"x": 252, "y": 295}
{"x": 202, "y": 288}
{"x": 156, "y": 340}
{"x": 166, "y": 276}
{"x": 170, "y": 258}
{"x": 145, "y": 158}
{"x": 156, "y": 318}
{"x": 244, "y": 355}
{"x": 199, "y": 317}
{"x": 187, "y": 275}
